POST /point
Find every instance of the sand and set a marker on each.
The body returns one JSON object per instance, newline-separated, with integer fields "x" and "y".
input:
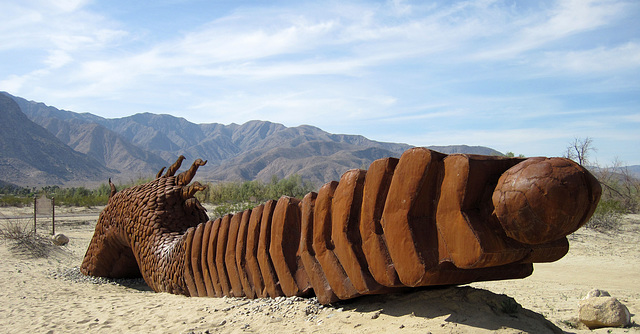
{"x": 46, "y": 295}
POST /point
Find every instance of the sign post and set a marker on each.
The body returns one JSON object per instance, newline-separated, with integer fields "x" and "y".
{"x": 44, "y": 206}
{"x": 35, "y": 213}
{"x": 53, "y": 216}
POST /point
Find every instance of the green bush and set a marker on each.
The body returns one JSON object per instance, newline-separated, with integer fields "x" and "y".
{"x": 256, "y": 191}
{"x": 14, "y": 200}
{"x": 228, "y": 197}
{"x": 224, "y": 209}
{"x": 75, "y": 196}
{"x": 78, "y": 197}
{"x": 81, "y": 196}
{"x": 231, "y": 197}
{"x": 11, "y": 195}
{"x": 620, "y": 190}
{"x": 620, "y": 196}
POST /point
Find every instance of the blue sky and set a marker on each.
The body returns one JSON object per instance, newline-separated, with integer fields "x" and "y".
{"x": 520, "y": 76}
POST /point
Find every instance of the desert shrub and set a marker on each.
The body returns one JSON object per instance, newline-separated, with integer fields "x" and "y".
{"x": 605, "y": 222}
{"x": 14, "y": 200}
{"x": 607, "y": 217}
{"x": 10, "y": 189}
{"x": 620, "y": 189}
{"x": 23, "y": 240}
{"x": 224, "y": 209}
{"x": 620, "y": 195}
{"x": 81, "y": 196}
{"x": 15, "y": 229}
{"x": 11, "y": 195}
{"x": 227, "y": 193}
{"x": 231, "y": 197}
{"x": 76, "y": 196}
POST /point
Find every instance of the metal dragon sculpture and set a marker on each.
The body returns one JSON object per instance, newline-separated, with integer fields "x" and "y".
{"x": 424, "y": 219}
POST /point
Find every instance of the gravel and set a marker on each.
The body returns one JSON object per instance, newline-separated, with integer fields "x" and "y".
{"x": 238, "y": 305}
{"x": 74, "y": 275}
{"x": 236, "y": 309}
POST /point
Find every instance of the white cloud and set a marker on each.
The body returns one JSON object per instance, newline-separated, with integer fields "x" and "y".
{"x": 446, "y": 112}
{"x": 597, "y": 60}
{"x": 14, "y": 83}
{"x": 400, "y": 7}
{"x": 573, "y": 16}
{"x": 569, "y": 17}
{"x": 396, "y": 66}
{"x": 58, "y": 58}
{"x": 216, "y": 44}
{"x": 632, "y": 118}
{"x": 319, "y": 106}
{"x": 48, "y": 41}
{"x": 67, "y": 5}
{"x": 63, "y": 25}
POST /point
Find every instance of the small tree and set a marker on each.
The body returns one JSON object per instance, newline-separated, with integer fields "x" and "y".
{"x": 513, "y": 155}
{"x": 619, "y": 187}
{"x": 579, "y": 150}
{"x": 620, "y": 190}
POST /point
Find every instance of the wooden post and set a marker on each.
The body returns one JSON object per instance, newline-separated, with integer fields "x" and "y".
{"x": 53, "y": 216}
{"x": 35, "y": 210}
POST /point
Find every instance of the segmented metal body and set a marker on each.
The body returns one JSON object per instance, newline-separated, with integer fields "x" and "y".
{"x": 424, "y": 219}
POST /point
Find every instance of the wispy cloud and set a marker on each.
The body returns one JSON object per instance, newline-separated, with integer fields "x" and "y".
{"x": 528, "y": 31}
{"x": 54, "y": 36}
{"x": 597, "y": 60}
{"x": 432, "y": 73}
{"x": 49, "y": 25}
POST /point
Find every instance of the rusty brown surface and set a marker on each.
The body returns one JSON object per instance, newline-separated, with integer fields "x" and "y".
{"x": 424, "y": 219}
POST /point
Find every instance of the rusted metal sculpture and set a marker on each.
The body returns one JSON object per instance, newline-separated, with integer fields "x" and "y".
{"x": 424, "y": 219}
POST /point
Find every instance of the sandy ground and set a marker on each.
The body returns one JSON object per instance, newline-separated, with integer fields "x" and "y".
{"x": 46, "y": 295}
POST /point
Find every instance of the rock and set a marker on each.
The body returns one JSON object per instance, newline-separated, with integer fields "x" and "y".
{"x": 597, "y": 293}
{"x": 60, "y": 239}
{"x": 603, "y": 311}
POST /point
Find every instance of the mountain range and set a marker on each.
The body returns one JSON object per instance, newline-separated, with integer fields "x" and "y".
{"x": 28, "y": 152}
{"x": 43, "y": 145}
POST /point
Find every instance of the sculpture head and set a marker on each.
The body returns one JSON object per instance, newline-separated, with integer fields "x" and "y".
{"x": 543, "y": 199}
{"x": 137, "y": 221}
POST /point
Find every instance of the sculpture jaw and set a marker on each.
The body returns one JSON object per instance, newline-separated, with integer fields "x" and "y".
{"x": 109, "y": 253}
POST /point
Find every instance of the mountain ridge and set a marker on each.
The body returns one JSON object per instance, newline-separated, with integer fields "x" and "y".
{"x": 32, "y": 155}
{"x": 140, "y": 144}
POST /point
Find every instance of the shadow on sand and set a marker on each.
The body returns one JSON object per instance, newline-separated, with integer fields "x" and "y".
{"x": 459, "y": 304}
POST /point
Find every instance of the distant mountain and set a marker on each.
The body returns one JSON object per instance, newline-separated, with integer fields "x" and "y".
{"x": 83, "y": 133}
{"x": 634, "y": 170}
{"x": 619, "y": 172}
{"x": 4, "y": 184}
{"x": 317, "y": 160}
{"x": 464, "y": 149}
{"x": 141, "y": 144}
{"x": 31, "y": 155}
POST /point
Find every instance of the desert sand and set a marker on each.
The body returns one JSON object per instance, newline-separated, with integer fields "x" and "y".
{"x": 47, "y": 295}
